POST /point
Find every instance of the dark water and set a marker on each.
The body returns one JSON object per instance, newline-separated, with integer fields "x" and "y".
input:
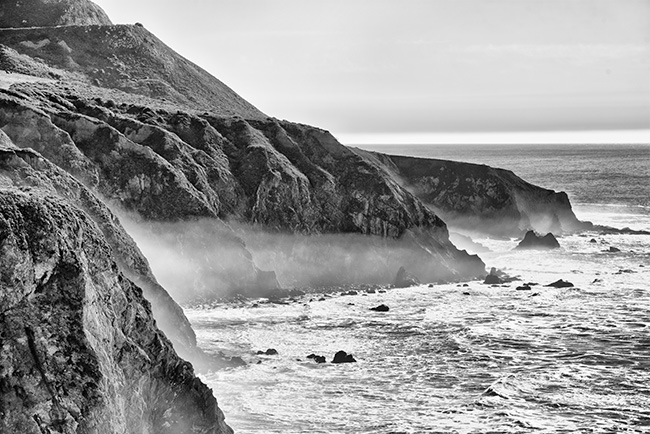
{"x": 468, "y": 359}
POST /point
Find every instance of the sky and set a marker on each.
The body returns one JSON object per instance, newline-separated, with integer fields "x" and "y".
{"x": 422, "y": 71}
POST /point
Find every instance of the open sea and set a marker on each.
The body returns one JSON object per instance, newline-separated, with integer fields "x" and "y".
{"x": 467, "y": 359}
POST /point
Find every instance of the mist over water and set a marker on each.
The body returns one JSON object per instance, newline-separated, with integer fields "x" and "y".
{"x": 462, "y": 359}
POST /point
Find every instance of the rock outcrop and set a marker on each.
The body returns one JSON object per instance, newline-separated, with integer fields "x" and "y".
{"x": 533, "y": 241}
{"x": 79, "y": 348}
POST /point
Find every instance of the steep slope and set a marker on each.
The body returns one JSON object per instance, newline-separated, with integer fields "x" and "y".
{"x": 49, "y": 13}
{"x": 79, "y": 349}
{"x": 129, "y": 58}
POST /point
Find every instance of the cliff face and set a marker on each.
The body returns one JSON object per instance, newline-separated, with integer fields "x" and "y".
{"x": 480, "y": 198}
{"x": 168, "y": 167}
{"x": 79, "y": 349}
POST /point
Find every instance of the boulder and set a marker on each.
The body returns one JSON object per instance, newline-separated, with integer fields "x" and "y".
{"x": 316, "y": 358}
{"x": 343, "y": 357}
{"x": 560, "y": 284}
{"x": 533, "y": 241}
{"x": 268, "y": 352}
{"x": 404, "y": 279}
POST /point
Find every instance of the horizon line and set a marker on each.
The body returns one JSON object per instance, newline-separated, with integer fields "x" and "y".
{"x": 573, "y": 137}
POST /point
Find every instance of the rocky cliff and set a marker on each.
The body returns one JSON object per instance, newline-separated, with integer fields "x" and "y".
{"x": 479, "y": 198}
{"x": 79, "y": 348}
{"x": 105, "y": 127}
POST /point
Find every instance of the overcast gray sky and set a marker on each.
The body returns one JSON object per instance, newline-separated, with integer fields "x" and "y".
{"x": 388, "y": 70}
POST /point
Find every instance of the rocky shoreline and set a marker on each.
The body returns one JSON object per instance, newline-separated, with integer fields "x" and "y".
{"x": 132, "y": 180}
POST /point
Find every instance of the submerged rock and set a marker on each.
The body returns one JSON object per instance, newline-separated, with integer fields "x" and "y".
{"x": 533, "y": 241}
{"x": 343, "y": 357}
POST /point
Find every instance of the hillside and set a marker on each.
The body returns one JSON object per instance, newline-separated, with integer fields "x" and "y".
{"x": 48, "y": 13}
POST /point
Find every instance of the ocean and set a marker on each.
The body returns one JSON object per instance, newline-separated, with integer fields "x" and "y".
{"x": 467, "y": 358}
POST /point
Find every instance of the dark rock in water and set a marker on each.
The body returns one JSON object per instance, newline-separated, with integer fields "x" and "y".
{"x": 597, "y": 281}
{"x": 523, "y": 288}
{"x": 560, "y": 284}
{"x": 403, "y": 279}
{"x": 350, "y": 292}
{"x": 493, "y": 278}
{"x": 343, "y": 357}
{"x": 593, "y": 241}
{"x": 613, "y": 250}
{"x": 269, "y": 352}
{"x": 380, "y": 308}
{"x": 533, "y": 241}
{"x": 317, "y": 358}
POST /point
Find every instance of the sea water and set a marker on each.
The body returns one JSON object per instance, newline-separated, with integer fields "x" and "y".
{"x": 467, "y": 359}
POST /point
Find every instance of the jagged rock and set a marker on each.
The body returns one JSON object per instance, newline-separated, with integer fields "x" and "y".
{"x": 380, "y": 308}
{"x": 343, "y": 357}
{"x": 493, "y": 278}
{"x": 80, "y": 351}
{"x": 560, "y": 284}
{"x": 533, "y": 241}
{"x": 613, "y": 250}
{"x": 404, "y": 279}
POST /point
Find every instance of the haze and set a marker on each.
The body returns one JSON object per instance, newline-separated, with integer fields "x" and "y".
{"x": 388, "y": 71}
